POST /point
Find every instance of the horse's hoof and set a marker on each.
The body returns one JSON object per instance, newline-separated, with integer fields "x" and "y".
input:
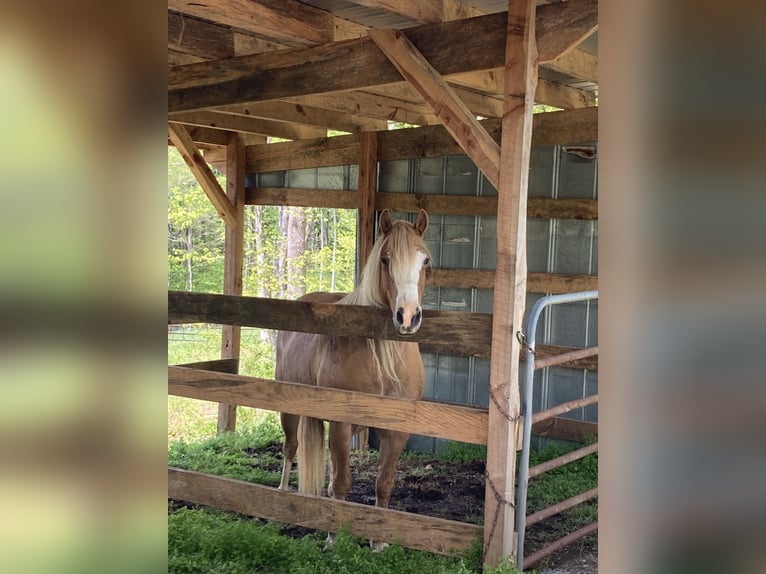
{"x": 378, "y": 546}
{"x": 329, "y": 541}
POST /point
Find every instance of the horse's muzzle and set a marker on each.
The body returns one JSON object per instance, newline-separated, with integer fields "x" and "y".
{"x": 407, "y": 322}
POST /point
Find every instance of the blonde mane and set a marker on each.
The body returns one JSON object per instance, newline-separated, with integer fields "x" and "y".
{"x": 386, "y": 354}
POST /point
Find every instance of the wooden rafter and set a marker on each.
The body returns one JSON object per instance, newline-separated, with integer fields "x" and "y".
{"x": 453, "y": 113}
{"x": 198, "y": 166}
{"x": 287, "y": 21}
{"x": 577, "y": 63}
{"x": 451, "y": 48}
{"x": 306, "y": 114}
{"x": 564, "y": 27}
{"x": 245, "y": 124}
{"x": 423, "y": 11}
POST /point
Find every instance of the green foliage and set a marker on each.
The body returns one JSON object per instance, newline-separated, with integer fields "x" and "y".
{"x": 230, "y": 454}
{"x": 215, "y": 541}
{"x": 464, "y": 452}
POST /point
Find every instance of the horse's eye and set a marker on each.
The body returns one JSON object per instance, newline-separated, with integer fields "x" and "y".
{"x": 427, "y": 261}
{"x": 384, "y": 261}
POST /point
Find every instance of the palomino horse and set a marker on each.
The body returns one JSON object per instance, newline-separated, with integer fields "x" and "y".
{"x": 394, "y": 277}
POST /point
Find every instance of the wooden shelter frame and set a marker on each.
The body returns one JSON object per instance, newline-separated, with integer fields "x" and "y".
{"x": 455, "y": 67}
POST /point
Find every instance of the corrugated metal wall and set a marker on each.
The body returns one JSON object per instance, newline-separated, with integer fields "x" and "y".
{"x": 469, "y": 242}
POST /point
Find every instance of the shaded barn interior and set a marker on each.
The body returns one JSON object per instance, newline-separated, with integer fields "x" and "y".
{"x": 461, "y": 78}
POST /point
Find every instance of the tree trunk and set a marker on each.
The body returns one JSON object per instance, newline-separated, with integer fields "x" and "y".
{"x": 296, "y": 247}
{"x": 189, "y": 250}
{"x": 334, "y": 247}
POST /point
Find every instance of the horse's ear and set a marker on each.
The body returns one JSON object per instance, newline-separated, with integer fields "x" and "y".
{"x": 421, "y": 223}
{"x": 385, "y": 222}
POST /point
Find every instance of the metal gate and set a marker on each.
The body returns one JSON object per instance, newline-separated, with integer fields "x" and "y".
{"x": 525, "y": 473}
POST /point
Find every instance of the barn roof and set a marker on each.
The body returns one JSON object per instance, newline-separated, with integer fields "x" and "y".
{"x": 294, "y": 69}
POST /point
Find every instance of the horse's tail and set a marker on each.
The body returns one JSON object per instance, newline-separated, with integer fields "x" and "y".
{"x": 311, "y": 458}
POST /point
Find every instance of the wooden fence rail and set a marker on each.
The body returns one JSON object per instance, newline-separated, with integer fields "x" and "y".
{"x": 454, "y": 422}
{"x": 446, "y": 332}
{"x": 411, "y": 530}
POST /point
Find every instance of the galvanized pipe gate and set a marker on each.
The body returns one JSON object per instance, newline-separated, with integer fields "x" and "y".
{"x": 525, "y": 473}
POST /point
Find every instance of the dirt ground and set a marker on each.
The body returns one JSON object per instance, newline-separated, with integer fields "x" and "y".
{"x": 455, "y": 490}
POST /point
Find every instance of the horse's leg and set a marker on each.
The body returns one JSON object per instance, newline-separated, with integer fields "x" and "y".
{"x": 391, "y": 446}
{"x": 340, "y": 473}
{"x": 290, "y": 426}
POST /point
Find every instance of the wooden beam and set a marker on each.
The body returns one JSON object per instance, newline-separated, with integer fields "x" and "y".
{"x": 304, "y": 114}
{"x": 368, "y": 181}
{"x": 202, "y": 172}
{"x": 578, "y": 63}
{"x": 536, "y": 282}
{"x": 230, "y": 366}
{"x": 456, "y": 47}
{"x": 244, "y": 124}
{"x": 423, "y": 11}
{"x": 564, "y": 97}
{"x": 297, "y": 197}
{"x": 463, "y": 423}
{"x": 566, "y": 429}
{"x": 233, "y": 259}
{"x": 552, "y": 128}
{"x": 366, "y": 103}
{"x": 199, "y": 38}
{"x": 450, "y": 332}
{"x": 565, "y": 26}
{"x": 327, "y": 514}
{"x": 457, "y": 119}
{"x": 451, "y": 47}
{"x": 520, "y": 82}
{"x": 286, "y": 21}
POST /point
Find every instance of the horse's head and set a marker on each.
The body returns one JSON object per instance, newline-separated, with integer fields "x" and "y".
{"x": 402, "y": 261}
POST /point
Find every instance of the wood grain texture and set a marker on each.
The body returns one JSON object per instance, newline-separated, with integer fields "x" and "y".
{"x": 230, "y": 366}
{"x": 566, "y": 429}
{"x": 245, "y": 124}
{"x": 199, "y": 38}
{"x": 455, "y": 116}
{"x": 451, "y": 47}
{"x": 564, "y": 26}
{"x": 287, "y": 21}
{"x": 202, "y": 172}
{"x": 520, "y": 81}
{"x": 304, "y": 114}
{"x": 420, "y": 532}
{"x": 343, "y": 199}
{"x": 368, "y": 182}
{"x": 552, "y": 128}
{"x": 577, "y": 63}
{"x": 467, "y": 424}
{"x": 233, "y": 260}
{"x": 451, "y": 332}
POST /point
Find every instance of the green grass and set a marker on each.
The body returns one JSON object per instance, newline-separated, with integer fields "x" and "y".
{"x": 216, "y": 541}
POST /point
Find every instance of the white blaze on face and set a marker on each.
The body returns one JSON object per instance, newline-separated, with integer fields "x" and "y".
{"x": 407, "y": 312}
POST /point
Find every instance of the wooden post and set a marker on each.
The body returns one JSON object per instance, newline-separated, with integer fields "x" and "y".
{"x": 510, "y": 280}
{"x": 368, "y": 182}
{"x": 233, "y": 258}
{"x": 368, "y": 171}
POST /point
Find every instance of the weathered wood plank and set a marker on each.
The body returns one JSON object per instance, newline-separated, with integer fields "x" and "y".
{"x": 448, "y": 331}
{"x": 304, "y": 114}
{"x": 564, "y": 97}
{"x": 230, "y": 366}
{"x": 368, "y": 183}
{"x": 577, "y": 63}
{"x": 199, "y": 38}
{"x": 286, "y": 21}
{"x": 455, "y": 116}
{"x": 552, "y": 128}
{"x": 342, "y": 199}
{"x": 234, "y": 249}
{"x": 565, "y": 26}
{"x": 245, "y": 124}
{"x": 420, "y": 532}
{"x": 520, "y": 82}
{"x": 451, "y": 47}
{"x": 536, "y": 282}
{"x": 202, "y": 172}
{"x": 467, "y": 424}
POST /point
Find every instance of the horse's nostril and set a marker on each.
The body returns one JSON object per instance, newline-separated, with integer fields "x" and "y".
{"x": 417, "y": 317}
{"x": 400, "y": 315}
